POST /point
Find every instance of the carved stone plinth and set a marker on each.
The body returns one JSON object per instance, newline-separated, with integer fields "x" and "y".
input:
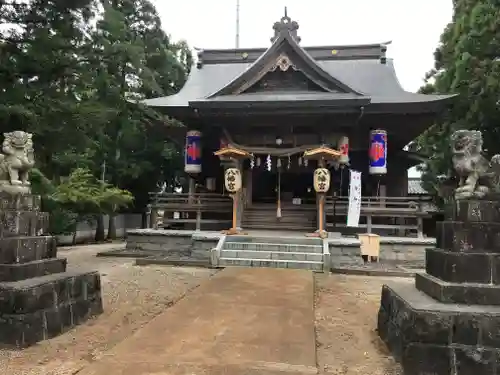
{"x": 449, "y": 321}
{"x": 38, "y": 298}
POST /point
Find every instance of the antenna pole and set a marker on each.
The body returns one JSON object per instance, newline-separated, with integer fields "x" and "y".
{"x": 237, "y": 23}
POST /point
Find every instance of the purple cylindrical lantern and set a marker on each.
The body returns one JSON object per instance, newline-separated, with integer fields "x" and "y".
{"x": 378, "y": 152}
{"x": 192, "y": 159}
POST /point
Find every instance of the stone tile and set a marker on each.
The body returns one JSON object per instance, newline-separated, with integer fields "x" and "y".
{"x": 421, "y": 359}
{"x": 472, "y": 361}
{"x": 466, "y": 330}
{"x": 458, "y": 267}
{"x": 26, "y": 249}
{"x": 467, "y": 293}
{"x": 477, "y": 211}
{"x": 463, "y": 237}
{"x": 22, "y": 271}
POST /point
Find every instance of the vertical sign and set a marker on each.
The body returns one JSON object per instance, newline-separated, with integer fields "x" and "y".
{"x": 192, "y": 159}
{"x": 378, "y": 152}
{"x": 354, "y": 210}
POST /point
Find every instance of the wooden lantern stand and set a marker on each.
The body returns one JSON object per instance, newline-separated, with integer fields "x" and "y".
{"x": 322, "y": 155}
{"x": 234, "y": 154}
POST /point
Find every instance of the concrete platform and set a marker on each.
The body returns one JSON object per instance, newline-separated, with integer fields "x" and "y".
{"x": 242, "y": 321}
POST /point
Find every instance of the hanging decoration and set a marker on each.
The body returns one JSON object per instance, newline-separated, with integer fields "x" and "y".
{"x": 278, "y": 163}
{"x": 306, "y": 162}
{"x": 258, "y": 162}
{"x": 192, "y": 159}
{"x": 299, "y": 162}
{"x": 344, "y": 149}
{"x": 378, "y": 152}
{"x": 321, "y": 180}
{"x": 289, "y": 162}
{"x": 268, "y": 163}
{"x": 252, "y": 162}
{"x": 232, "y": 180}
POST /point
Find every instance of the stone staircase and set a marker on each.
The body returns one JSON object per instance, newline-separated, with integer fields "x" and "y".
{"x": 263, "y": 216}
{"x": 276, "y": 252}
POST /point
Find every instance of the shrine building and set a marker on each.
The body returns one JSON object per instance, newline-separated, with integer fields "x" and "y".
{"x": 277, "y": 102}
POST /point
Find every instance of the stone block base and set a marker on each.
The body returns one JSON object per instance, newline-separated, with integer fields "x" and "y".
{"x": 42, "y": 307}
{"x": 22, "y": 271}
{"x": 466, "y": 293}
{"x": 431, "y": 337}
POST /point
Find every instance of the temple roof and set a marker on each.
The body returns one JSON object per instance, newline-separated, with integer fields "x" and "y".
{"x": 336, "y": 76}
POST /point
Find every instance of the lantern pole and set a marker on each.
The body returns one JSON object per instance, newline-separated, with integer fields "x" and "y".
{"x": 235, "y": 213}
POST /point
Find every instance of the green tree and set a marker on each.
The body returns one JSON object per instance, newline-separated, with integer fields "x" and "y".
{"x": 466, "y": 63}
{"x": 41, "y": 76}
{"x": 87, "y": 197}
{"x": 134, "y": 59}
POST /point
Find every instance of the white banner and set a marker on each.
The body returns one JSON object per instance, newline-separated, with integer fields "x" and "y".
{"x": 354, "y": 210}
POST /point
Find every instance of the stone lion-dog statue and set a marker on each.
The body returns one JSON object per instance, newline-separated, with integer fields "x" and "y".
{"x": 477, "y": 177}
{"x": 16, "y": 161}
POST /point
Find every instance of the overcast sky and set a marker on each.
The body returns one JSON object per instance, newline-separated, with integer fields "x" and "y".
{"x": 413, "y": 26}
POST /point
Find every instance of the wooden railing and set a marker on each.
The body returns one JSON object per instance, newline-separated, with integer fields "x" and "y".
{"x": 168, "y": 209}
{"x": 394, "y": 214}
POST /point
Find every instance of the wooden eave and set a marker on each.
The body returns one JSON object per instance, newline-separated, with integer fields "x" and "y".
{"x": 322, "y": 152}
{"x": 232, "y": 152}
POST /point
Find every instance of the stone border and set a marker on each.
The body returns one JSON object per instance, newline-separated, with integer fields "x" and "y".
{"x": 216, "y": 252}
{"x": 349, "y": 241}
{"x": 356, "y": 271}
{"x": 326, "y": 256}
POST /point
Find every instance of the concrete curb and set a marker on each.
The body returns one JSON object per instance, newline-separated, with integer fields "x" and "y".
{"x": 372, "y": 272}
{"x": 151, "y": 261}
{"x": 122, "y": 253}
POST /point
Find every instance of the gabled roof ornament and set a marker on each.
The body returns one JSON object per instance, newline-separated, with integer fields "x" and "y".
{"x": 286, "y": 25}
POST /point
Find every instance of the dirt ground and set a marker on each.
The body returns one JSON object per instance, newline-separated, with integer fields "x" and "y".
{"x": 132, "y": 297}
{"x": 346, "y": 310}
{"x": 346, "y": 318}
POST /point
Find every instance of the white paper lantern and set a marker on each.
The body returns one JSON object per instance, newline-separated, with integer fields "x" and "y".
{"x": 344, "y": 149}
{"x": 321, "y": 180}
{"x": 232, "y": 180}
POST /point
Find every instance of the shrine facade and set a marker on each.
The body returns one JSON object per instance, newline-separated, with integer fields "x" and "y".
{"x": 278, "y": 102}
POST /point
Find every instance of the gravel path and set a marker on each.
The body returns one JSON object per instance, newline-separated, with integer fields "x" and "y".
{"x": 346, "y": 319}
{"x": 132, "y": 297}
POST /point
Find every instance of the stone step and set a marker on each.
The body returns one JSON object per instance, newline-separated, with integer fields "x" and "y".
{"x": 278, "y": 226}
{"x": 43, "y": 307}
{"x": 45, "y": 292}
{"x": 23, "y": 271}
{"x": 272, "y": 263}
{"x": 284, "y": 214}
{"x": 275, "y": 255}
{"x": 284, "y": 221}
{"x": 26, "y": 249}
{"x": 278, "y": 247}
{"x": 276, "y": 239}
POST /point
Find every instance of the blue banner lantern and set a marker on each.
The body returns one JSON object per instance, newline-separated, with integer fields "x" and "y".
{"x": 378, "y": 152}
{"x": 192, "y": 163}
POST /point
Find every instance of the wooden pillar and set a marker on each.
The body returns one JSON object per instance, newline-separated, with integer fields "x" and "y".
{"x": 239, "y": 196}
{"x": 248, "y": 181}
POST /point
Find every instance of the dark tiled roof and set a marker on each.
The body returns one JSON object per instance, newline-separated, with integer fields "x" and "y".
{"x": 366, "y": 76}
{"x": 360, "y": 70}
{"x": 415, "y": 187}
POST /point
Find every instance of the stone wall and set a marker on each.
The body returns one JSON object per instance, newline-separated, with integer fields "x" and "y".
{"x": 399, "y": 250}
{"x": 86, "y": 231}
{"x": 151, "y": 241}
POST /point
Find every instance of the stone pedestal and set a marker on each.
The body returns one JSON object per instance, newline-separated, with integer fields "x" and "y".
{"x": 38, "y": 298}
{"x": 448, "y": 322}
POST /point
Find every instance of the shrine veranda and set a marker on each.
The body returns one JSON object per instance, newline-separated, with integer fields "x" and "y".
{"x": 277, "y": 103}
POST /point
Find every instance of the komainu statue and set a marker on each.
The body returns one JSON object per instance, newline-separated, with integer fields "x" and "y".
{"x": 16, "y": 161}
{"x": 477, "y": 176}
